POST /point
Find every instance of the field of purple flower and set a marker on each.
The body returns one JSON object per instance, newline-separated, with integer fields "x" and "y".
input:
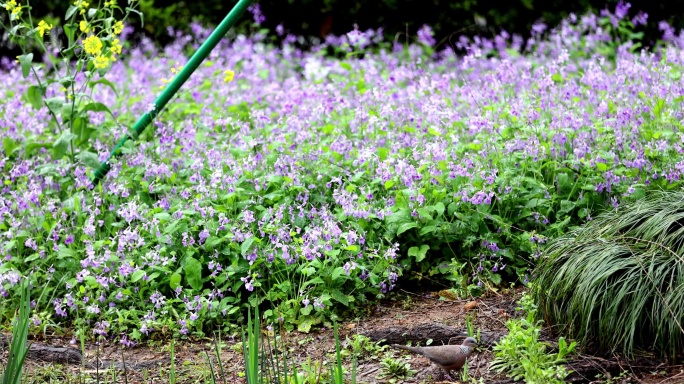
{"x": 314, "y": 183}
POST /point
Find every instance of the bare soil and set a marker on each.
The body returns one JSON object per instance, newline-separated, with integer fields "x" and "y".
{"x": 408, "y": 317}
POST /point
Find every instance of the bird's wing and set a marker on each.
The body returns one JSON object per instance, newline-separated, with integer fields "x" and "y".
{"x": 446, "y": 355}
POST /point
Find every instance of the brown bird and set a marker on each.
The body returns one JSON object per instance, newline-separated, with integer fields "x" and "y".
{"x": 447, "y": 357}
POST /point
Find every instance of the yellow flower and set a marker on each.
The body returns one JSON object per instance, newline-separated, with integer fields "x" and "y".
{"x": 177, "y": 68}
{"x": 92, "y": 45}
{"x": 118, "y": 27}
{"x": 116, "y": 47}
{"x": 110, "y": 3}
{"x": 84, "y": 26}
{"x": 101, "y": 62}
{"x": 43, "y": 27}
{"x": 16, "y": 12}
{"x": 82, "y": 5}
{"x": 10, "y": 5}
{"x": 229, "y": 76}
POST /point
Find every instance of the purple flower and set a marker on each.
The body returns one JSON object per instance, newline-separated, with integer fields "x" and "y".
{"x": 425, "y": 36}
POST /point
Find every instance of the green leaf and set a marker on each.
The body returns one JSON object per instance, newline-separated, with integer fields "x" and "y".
{"x": 61, "y": 145}
{"x": 424, "y": 213}
{"x": 427, "y": 229}
{"x": 97, "y": 107}
{"x": 244, "y": 248}
{"x": 337, "y": 273}
{"x": 405, "y": 227}
{"x": 382, "y": 153}
{"x": 70, "y": 31}
{"x": 439, "y": 208}
{"x": 137, "y": 275}
{"x": 9, "y": 145}
{"x": 55, "y": 104}
{"x": 305, "y": 324}
{"x": 193, "y": 273}
{"x": 89, "y": 159}
{"x": 106, "y": 82}
{"x": 175, "y": 280}
{"x": 418, "y": 253}
{"x": 339, "y": 296}
{"x": 34, "y": 94}
{"x": 82, "y": 130}
{"x": 434, "y": 132}
{"x": 26, "y": 61}
{"x": 70, "y": 12}
{"x": 30, "y": 147}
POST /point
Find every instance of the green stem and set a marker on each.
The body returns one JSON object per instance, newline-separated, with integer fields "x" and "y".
{"x": 177, "y": 82}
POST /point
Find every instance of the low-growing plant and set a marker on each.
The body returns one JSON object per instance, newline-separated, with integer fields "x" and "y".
{"x": 394, "y": 369}
{"x": 522, "y": 356}
{"x": 362, "y": 347}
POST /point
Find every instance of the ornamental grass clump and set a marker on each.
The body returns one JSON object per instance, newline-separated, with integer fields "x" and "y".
{"x": 617, "y": 283}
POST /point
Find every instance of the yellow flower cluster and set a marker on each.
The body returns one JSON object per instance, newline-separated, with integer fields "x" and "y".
{"x": 118, "y": 27}
{"x": 43, "y": 27}
{"x": 92, "y": 45}
{"x": 14, "y": 8}
{"x": 229, "y": 76}
{"x": 82, "y": 5}
{"x": 177, "y": 68}
{"x": 116, "y": 47}
{"x": 84, "y": 26}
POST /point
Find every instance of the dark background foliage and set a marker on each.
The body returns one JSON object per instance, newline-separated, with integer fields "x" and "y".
{"x": 320, "y": 17}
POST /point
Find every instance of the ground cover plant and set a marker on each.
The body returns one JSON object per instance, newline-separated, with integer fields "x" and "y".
{"x": 310, "y": 183}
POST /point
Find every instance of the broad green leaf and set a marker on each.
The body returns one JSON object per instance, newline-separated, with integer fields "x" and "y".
{"x": 26, "y": 61}
{"x": 193, "y": 273}
{"x": 337, "y": 295}
{"x": 175, "y": 280}
{"x": 70, "y": 31}
{"x": 427, "y": 229}
{"x": 61, "y": 145}
{"x": 418, "y": 253}
{"x": 405, "y": 227}
{"x": 34, "y": 94}
{"x": 9, "y": 145}
{"x": 244, "y": 248}
{"x": 55, "y": 104}
{"x": 97, "y": 107}
{"x": 337, "y": 273}
{"x": 89, "y": 159}
{"x": 137, "y": 275}
{"x": 106, "y": 82}
{"x": 305, "y": 324}
{"x": 439, "y": 208}
{"x": 382, "y": 153}
{"x": 70, "y": 12}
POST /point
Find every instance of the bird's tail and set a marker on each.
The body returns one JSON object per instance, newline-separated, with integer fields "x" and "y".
{"x": 406, "y": 347}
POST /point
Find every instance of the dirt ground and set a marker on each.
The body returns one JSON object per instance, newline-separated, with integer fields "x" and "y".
{"x": 408, "y": 316}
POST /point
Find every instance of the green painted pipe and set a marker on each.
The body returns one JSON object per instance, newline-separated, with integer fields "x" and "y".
{"x": 177, "y": 82}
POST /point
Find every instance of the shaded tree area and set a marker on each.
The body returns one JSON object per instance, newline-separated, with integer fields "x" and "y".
{"x": 446, "y": 17}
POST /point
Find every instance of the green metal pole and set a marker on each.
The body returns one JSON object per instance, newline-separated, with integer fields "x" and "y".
{"x": 177, "y": 81}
